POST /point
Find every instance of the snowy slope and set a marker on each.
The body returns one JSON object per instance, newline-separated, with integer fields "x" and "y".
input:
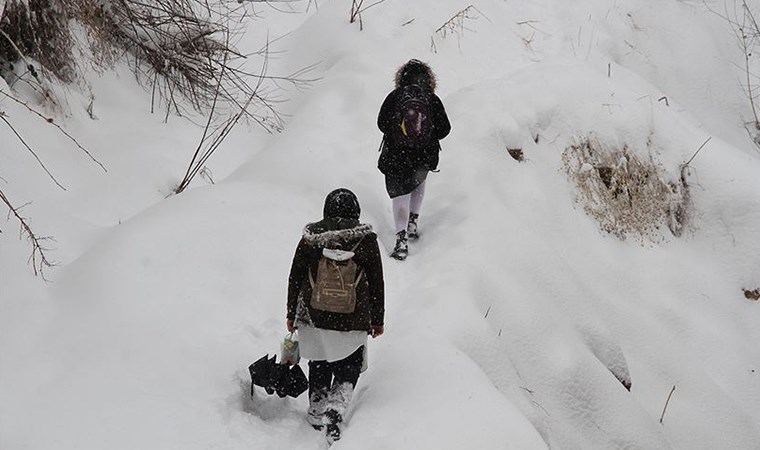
{"x": 514, "y": 314}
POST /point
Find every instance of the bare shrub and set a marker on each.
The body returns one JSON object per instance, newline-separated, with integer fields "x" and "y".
{"x": 179, "y": 49}
{"x": 456, "y": 25}
{"x": 743, "y": 19}
{"x": 37, "y": 29}
{"x": 182, "y": 51}
{"x": 628, "y": 196}
{"x": 357, "y": 8}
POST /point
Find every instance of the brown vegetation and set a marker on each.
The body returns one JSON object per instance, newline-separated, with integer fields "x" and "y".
{"x": 628, "y": 196}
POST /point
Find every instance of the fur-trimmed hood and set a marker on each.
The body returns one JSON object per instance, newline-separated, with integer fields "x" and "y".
{"x": 415, "y": 71}
{"x": 335, "y": 234}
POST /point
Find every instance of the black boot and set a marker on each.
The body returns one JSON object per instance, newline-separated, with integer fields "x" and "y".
{"x": 411, "y": 228}
{"x": 401, "y": 250}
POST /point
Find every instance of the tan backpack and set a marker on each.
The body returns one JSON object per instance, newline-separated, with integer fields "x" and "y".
{"x": 334, "y": 288}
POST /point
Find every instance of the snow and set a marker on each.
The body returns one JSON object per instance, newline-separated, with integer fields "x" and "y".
{"x": 514, "y": 319}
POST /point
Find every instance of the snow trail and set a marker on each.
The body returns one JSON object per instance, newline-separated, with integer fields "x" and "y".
{"x": 514, "y": 319}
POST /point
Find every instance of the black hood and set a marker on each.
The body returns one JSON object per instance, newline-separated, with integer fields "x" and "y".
{"x": 417, "y": 72}
{"x": 342, "y": 203}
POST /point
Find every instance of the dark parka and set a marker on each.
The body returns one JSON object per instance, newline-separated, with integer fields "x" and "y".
{"x": 342, "y": 233}
{"x": 396, "y": 159}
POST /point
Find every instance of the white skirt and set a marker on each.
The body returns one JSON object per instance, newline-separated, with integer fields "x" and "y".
{"x": 317, "y": 344}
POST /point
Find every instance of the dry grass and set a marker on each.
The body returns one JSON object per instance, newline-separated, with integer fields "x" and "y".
{"x": 627, "y": 196}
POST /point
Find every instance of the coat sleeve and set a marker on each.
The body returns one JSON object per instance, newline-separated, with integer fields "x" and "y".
{"x": 441, "y": 124}
{"x": 374, "y": 273}
{"x": 385, "y": 117}
{"x": 298, "y": 275}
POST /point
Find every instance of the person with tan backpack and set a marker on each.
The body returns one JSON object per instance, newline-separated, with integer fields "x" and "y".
{"x": 335, "y": 300}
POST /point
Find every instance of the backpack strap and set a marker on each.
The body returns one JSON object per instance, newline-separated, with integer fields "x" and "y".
{"x": 353, "y": 249}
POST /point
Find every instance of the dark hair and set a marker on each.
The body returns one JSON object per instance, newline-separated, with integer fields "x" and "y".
{"x": 342, "y": 203}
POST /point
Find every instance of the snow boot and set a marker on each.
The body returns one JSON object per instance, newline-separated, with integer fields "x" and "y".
{"x": 332, "y": 420}
{"x": 316, "y": 411}
{"x": 401, "y": 250}
{"x": 411, "y": 228}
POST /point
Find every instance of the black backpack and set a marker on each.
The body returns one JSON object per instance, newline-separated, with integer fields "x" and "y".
{"x": 414, "y": 124}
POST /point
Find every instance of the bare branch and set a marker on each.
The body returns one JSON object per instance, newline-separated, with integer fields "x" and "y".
{"x": 39, "y": 161}
{"x": 211, "y": 140}
{"x": 51, "y": 121}
{"x": 38, "y": 257}
{"x": 357, "y": 9}
{"x": 696, "y": 153}
{"x": 457, "y": 23}
{"x": 747, "y": 33}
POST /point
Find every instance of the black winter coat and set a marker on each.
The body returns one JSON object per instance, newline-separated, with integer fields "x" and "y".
{"x": 400, "y": 161}
{"x": 342, "y": 234}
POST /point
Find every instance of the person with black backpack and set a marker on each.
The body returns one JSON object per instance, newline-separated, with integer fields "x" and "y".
{"x": 413, "y": 121}
{"x": 335, "y": 300}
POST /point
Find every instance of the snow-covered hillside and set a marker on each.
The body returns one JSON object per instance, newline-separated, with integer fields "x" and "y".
{"x": 514, "y": 319}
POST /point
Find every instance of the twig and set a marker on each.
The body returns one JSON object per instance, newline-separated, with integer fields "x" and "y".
{"x": 456, "y": 24}
{"x": 357, "y": 10}
{"x": 747, "y": 32}
{"x": 696, "y": 153}
{"x": 666, "y": 403}
{"x": 187, "y": 178}
{"x": 52, "y": 122}
{"x": 212, "y": 140}
{"x": 39, "y": 161}
{"x": 747, "y": 46}
{"x": 38, "y": 258}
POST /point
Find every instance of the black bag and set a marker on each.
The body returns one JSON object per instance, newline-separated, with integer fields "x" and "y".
{"x": 277, "y": 378}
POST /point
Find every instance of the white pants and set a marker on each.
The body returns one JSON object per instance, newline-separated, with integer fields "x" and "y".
{"x": 405, "y": 204}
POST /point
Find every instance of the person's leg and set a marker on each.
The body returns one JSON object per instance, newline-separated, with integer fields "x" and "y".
{"x": 320, "y": 380}
{"x": 416, "y": 197}
{"x": 347, "y": 370}
{"x": 346, "y": 374}
{"x": 400, "y": 219}
{"x": 415, "y": 205}
{"x": 401, "y": 211}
